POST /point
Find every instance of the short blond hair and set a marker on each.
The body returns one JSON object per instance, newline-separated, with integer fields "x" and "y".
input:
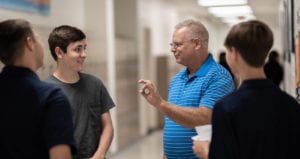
{"x": 196, "y": 30}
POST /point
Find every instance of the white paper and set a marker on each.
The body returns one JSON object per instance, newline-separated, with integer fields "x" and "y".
{"x": 204, "y": 133}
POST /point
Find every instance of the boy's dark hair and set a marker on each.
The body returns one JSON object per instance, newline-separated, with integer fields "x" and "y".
{"x": 253, "y": 39}
{"x": 13, "y": 35}
{"x": 62, "y": 36}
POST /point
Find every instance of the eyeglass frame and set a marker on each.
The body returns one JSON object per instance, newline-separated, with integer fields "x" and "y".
{"x": 178, "y": 44}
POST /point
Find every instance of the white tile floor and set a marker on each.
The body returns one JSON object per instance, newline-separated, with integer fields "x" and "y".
{"x": 149, "y": 147}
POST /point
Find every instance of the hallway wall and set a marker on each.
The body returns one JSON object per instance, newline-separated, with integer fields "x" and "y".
{"x": 289, "y": 62}
{"x": 77, "y": 13}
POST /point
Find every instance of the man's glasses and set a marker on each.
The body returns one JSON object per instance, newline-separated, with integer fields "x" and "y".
{"x": 177, "y": 44}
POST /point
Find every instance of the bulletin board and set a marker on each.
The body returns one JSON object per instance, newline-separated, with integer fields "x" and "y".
{"x": 32, "y": 6}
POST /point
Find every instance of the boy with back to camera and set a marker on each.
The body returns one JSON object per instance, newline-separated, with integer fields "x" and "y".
{"x": 258, "y": 121}
{"x": 35, "y": 116}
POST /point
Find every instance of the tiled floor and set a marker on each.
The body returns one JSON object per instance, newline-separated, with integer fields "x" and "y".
{"x": 149, "y": 147}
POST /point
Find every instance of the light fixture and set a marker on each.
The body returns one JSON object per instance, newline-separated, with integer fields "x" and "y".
{"x": 208, "y": 3}
{"x": 237, "y": 19}
{"x": 230, "y": 11}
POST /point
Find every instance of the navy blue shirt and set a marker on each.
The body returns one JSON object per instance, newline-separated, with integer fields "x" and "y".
{"x": 34, "y": 116}
{"x": 258, "y": 121}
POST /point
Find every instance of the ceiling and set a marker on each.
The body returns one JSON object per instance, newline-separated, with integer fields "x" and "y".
{"x": 264, "y": 10}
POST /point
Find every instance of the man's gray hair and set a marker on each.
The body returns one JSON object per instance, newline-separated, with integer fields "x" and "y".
{"x": 196, "y": 29}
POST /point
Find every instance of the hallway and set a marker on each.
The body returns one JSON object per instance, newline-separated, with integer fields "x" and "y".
{"x": 130, "y": 40}
{"x": 149, "y": 147}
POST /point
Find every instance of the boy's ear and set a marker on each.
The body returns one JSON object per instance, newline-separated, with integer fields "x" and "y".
{"x": 235, "y": 53}
{"x": 59, "y": 53}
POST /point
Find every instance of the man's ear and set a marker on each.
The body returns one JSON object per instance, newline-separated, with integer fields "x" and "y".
{"x": 29, "y": 43}
{"x": 198, "y": 44}
{"x": 59, "y": 53}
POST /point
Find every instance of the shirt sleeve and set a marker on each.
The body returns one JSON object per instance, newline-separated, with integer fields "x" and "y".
{"x": 106, "y": 100}
{"x": 218, "y": 88}
{"x": 58, "y": 126}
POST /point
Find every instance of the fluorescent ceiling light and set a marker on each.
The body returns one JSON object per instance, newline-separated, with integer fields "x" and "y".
{"x": 238, "y": 19}
{"x": 230, "y": 11}
{"x": 207, "y": 3}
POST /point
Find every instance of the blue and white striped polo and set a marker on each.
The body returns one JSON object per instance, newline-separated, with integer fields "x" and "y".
{"x": 210, "y": 83}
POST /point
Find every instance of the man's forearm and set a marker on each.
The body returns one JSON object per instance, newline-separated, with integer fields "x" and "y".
{"x": 188, "y": 117}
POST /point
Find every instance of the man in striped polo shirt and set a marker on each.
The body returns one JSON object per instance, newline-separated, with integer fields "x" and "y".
{"x": 192, "y": 92}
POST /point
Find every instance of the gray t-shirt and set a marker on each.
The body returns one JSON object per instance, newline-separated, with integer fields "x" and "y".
{"x": 89, "y": 99}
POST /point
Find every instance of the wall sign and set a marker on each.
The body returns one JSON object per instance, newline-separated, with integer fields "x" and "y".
{"x": 32, "y": 6}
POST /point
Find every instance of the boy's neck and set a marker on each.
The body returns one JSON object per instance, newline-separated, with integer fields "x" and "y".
{"x": 252, "y": 73}
{"x": 66, "y": 76}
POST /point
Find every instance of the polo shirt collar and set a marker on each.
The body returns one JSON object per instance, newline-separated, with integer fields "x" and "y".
{"x": 204, "y": 68}
{"x": 18, "y": 71}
